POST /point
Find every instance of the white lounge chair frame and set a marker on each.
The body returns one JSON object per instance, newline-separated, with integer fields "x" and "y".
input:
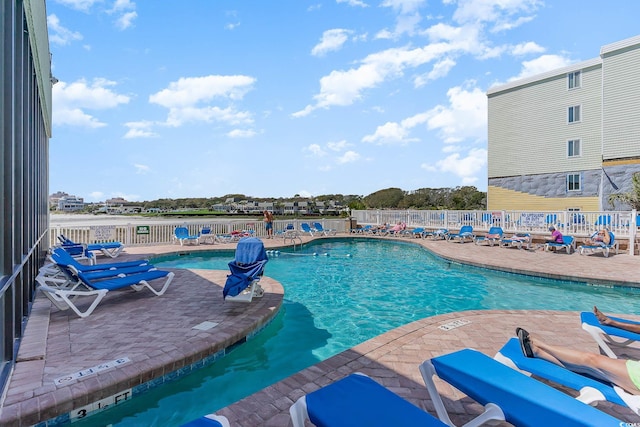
{"x": 63, "y": 298}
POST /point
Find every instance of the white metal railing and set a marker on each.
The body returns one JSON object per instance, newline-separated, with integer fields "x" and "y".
{"x": 624, "y": 224}
{"x": 581, "y": 224}
{"x": 158, "y": 233}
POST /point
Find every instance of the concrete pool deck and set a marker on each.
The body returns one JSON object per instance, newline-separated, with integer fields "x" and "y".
{"x": 142, "y": 338}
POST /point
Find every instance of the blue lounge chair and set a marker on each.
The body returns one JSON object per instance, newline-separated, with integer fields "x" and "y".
{"x": 493, "y": 236}
{"x": 306, "y": 228}
{"x": 507, "y": 394}
{"x": 246, "y": 271}
{"x": 211, "y": 420}
{"x": 182, "y": 235}
{"x": 324, "y": 231}
{"x": 79, "y": 251}
{"x": 98, "y": 289}
{"x": 440, "y": 234}
{"x": 110, "y": 249}
{"x": 418, "y": 232}
{"x": 602, "y": 247}
{"x": 60, "y": 255}
{"x": 568, "y": 243}
{"x": 465, "y": 234}
{"x": 519, "y": 240}
{"x": 357, "y": 400}
{"x": 604, "y": 334}
{"x": 206, "y": 236}
{"x": 59, "y": 273}
{"x": 62, "y": 262}
{"x": 591, "y": 391}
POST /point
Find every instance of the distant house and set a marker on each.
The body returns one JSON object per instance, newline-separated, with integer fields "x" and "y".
{"x": 568, "y": 138}
{"x": 70, "y": 204}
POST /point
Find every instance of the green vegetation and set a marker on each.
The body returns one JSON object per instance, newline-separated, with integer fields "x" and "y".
{"x": 631, "y": 198}
{"x": 459, "y": 198}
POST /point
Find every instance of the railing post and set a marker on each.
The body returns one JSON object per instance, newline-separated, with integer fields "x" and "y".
{"x": 633, "y": 230}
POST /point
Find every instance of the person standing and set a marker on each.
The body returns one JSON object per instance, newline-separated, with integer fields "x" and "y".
{"x": 268, "y": 221}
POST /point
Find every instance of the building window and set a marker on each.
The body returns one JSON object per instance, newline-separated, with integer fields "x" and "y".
{"x": 573, "y": 182}
{"x": 574, "y": 148}
{"x": 574, "y": 80}
{"x": 574, "y": 114}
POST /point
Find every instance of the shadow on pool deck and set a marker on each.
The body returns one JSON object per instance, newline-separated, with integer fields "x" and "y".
{"x": 156, "y": 334}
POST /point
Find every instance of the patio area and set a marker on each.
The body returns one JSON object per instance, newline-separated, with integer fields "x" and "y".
{"x": 143, "y": 340}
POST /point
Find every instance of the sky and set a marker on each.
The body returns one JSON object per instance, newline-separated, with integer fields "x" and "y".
{"x": 278, "y": 98}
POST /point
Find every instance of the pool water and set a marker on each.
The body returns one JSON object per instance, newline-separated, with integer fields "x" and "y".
{"x": 351, "y": 290}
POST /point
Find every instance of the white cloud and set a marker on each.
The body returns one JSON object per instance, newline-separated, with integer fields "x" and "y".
{"x": 139, "y": 130}
{"x": 337, "y": 146}
{"x": 180, "y": 116}
{"x": 527, "y": 48}
{"x": 60, "y": 35}
{"x": 71, "y": 99}
{"x": 332, "y": 40}
{"x": 126, "y": 13}
{"x": 542, "y": 64}
{"x": 120, "y": 5}
{"x": 316, "y": 150}
{"x": 359, "y": 3}
{"x": 82, "y": 5}
{"x": 75, "y": 117}
{"x": 499, "y": 12}
{"x": 126, "y": 20}
{"x": 404, "y": 6}
{"x": 241, "y": 133}
{"x": 466, "y": 168}
{"x": 184, "y": 99}
{"x": 141, "y": 169}
{"x": 348, "y": 157}
{"x": 464, "y": 118}
{"x": 396, "y": 133}
{"x": 189, "y": 91}
{"x": 124, "y": 10}
{"x": 440, "y": 69}
{"x": 342, "y": 88}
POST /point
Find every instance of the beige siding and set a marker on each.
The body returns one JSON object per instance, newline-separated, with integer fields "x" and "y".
{"x": 621, "y": 125}
{"x": 501, "y": 198}
{"x": 528, "y": 129}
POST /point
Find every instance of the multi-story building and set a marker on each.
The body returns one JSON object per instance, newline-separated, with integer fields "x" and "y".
{"x": 70, "y": 203}
{"x": 25, "y": 126}
{"x": 569, "y": 138}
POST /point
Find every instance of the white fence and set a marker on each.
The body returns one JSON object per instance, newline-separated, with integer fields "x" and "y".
{"x": 581, "y": 224}
{"x": 160, "y": 233}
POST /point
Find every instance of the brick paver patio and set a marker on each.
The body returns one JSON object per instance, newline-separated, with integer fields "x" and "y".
{"x": 156, "y": 335}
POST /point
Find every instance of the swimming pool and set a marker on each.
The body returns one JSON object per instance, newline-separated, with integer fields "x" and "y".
{"x": 334, "y": 302}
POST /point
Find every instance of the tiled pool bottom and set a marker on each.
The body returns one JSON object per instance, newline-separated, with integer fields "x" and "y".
{"x": 156, "y": 335}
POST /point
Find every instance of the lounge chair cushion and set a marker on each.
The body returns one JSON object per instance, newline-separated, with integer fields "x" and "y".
{"x": 524, "y": 401}
{"x": 359, "y": 400}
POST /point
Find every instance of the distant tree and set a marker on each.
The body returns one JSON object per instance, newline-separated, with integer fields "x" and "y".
{"x": 468, "y": 198}
{"x": 357, "y": 205}
{"x": 384, "y": 199}
{"x": 632, "y": 198}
